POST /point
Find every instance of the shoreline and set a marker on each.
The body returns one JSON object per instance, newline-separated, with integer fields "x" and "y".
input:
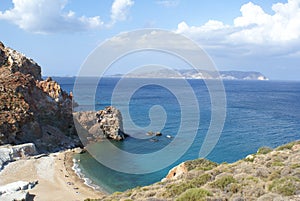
{"x": 56, "y": 178}
{"x": 86, "y": 180}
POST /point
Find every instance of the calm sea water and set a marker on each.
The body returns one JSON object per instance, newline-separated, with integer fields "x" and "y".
{"x": 259, "y": 113}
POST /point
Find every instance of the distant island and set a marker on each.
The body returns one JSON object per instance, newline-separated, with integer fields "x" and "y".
{"x": 195, "y": 74}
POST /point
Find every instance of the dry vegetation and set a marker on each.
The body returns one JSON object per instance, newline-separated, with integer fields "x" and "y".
{"x": 267, "y": 175}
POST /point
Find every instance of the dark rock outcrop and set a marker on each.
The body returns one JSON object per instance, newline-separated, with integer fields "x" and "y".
{"x": 32, "y": 109}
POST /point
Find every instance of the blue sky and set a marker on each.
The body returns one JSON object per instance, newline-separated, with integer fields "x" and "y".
{"x": 241, "y": 35}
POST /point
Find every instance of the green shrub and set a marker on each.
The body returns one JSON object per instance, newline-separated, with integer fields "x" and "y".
{"x": 254, "y": 179}
{"x": 177, "y": 189}
{"x": 194, "y": 194}
{"x": 174, "y": 190}
{"x": 295, "y": 165}
{"x": 274, "y": 175}
{"x": 287, "y": 146}
{"x": 117, "y": 193}
{"x": 223, "y": 182}
{"x": 200, "y": 164}
{"x": 145, "y": 189}
{"x": 201, "y": 180}
{"x": 285, "y": 186}
{"x": 264, "y": 150}
{"x": 277, "y": 163}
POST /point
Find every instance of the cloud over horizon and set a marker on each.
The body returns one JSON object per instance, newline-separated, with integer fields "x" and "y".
{"x": 49, "y": 16}
{"x": 253, "y": 30}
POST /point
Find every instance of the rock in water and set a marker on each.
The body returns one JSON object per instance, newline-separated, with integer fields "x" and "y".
{"x": 95, "y": 126}
{"x": 158, "y": 133}
{"x": 32, "y": 110}
{"x": 111, "y": 123}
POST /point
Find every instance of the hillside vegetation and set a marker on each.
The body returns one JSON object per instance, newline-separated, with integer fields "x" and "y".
{"x": 267, "y": 175}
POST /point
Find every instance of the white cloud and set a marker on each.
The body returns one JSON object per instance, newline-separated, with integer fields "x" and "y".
{"x": 253, "y": 29}
{"x": 48, "y": 16}
{"x": 119, "y": 10}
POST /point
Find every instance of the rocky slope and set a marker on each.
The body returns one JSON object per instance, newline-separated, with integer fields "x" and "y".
{"x": 32, "y": 109}
{"x": 264, "y": 176}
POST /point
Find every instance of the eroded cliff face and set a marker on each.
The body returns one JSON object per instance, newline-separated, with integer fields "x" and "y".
{"x": 32, "y": 109}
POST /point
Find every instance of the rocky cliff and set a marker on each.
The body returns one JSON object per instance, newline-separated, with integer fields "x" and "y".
{"x": 32, "y": 109}
{"x": 265, "y": 176}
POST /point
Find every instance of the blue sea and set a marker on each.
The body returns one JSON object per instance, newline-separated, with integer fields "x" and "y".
{"x": 258, "y": 113}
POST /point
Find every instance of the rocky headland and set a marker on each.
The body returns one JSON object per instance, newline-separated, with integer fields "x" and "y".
{"x": 32, "y": 109}
{"x": 265, "y": 176}
{"x": 37, "y": 132}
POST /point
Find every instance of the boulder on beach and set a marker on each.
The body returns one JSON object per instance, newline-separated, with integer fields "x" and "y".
{"x": 16, "y": 190}
{"x": 9, "y": 153}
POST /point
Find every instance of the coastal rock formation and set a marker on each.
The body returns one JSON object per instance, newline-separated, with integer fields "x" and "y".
{"x": 16, "y": 191}
{"x": 87, "y": 126}
{"x": 95, "y": 126}
{"x": 111, "y": 123}
{"x": 10, "y": 153}
{"x": 176, "y": 172}
{"x": 52, "y": 88}
{"x": 268, "y": 175}
{"x": 32, "y": 110}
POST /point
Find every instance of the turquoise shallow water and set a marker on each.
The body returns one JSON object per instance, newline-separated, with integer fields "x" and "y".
{"x": 259, "y": 113}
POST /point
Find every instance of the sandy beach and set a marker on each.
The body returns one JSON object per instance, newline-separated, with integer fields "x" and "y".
{"x": 56, "y": 179}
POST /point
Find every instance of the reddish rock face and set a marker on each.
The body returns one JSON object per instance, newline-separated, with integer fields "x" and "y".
{"x": 31, "y": 107}
{"x": 177, "y": 171}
